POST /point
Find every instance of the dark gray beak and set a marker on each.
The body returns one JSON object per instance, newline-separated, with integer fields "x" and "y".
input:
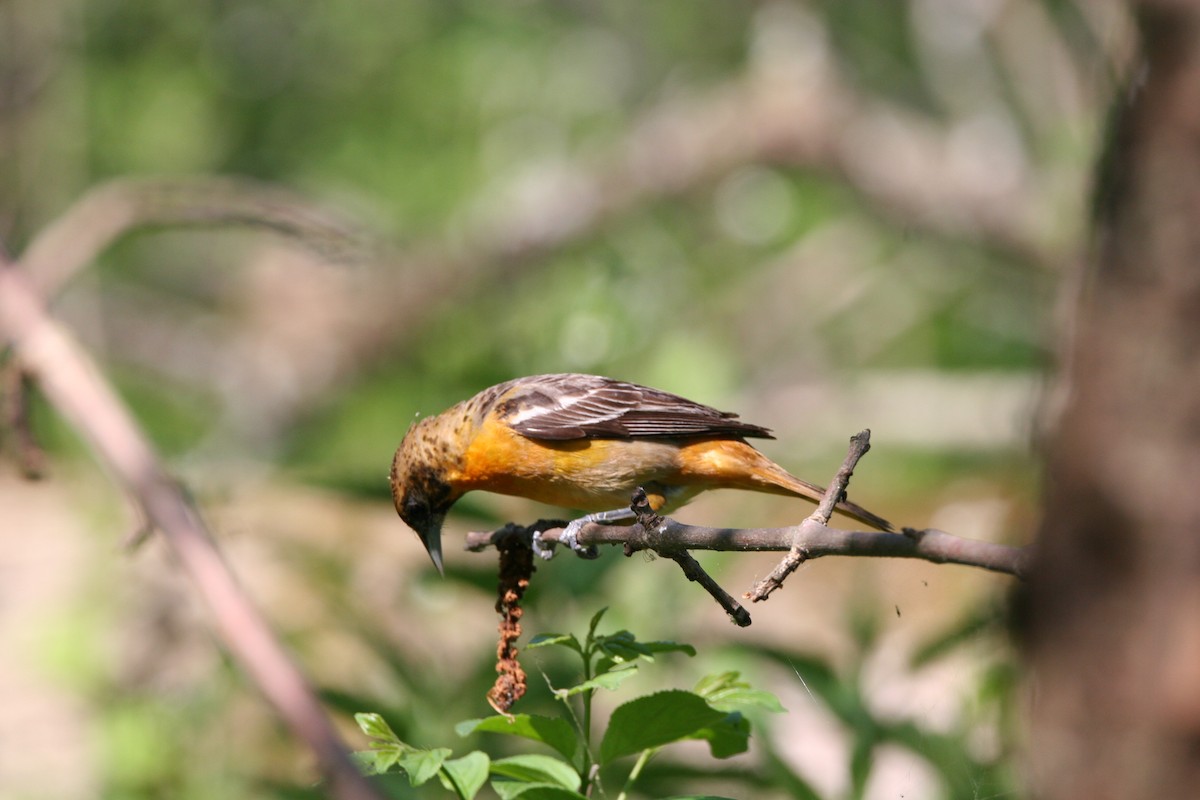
{"x": 431, "y": 536}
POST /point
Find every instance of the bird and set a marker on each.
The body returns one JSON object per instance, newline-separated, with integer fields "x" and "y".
{"x": 582, "y": 442}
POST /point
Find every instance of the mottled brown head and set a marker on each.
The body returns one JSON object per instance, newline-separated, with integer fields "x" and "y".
{"x": 419, "y": 483}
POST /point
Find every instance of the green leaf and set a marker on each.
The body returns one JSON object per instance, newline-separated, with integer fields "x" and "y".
{"x": 624, "y": 646}
{"x": 384, "y": 759}
{"x": 595, "y": 621}
{"x": 609, "y": 680}
{"x": 537, "y": 769}
{"x": 557, "y": 733}
{"x": 725, "y": 692}
{"x": 369, "y": 762}
{"x": 715, "y": 682}
{"x": 663, "y": 646}
{"x": 534, "y": 791}
{"x": 376, "y": 727}
{"x": 655, "y": 720}
{"x": 727, "y": 737}
{"x": 567, "y": 640}
{"x": 740, "y": 699}
{"x": 421, "y": 765}
{"x": 386, "y": 748}
{"x": 466, "y": 776}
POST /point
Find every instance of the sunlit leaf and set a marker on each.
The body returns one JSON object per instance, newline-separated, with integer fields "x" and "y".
{"x": 552, "y": 731}
{"x": 375, "y": 726}
{"x": 726, "y": 693}
{"x": 466, "y": 775}
{"x": 537, "y": 769}
{"x": 567, "y": 640}
{"x": 608, "y": 680}
{"x": 421, "y": 765}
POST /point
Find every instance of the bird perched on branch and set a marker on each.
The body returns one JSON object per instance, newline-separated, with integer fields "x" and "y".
{"x": 582, "y": 442}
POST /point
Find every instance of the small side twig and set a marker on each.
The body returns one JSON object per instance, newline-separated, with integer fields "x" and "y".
{"x": 860, "y": 443}
{"x": 653, "y": 527}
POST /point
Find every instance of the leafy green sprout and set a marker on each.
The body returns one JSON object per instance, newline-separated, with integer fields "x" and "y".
{"x": 712, "y": 712}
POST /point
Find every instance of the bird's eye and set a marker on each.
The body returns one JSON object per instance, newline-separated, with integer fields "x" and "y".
{"x": 414, "y": 505}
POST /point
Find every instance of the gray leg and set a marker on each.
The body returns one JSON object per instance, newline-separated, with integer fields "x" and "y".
{"x": 570, "y": 536}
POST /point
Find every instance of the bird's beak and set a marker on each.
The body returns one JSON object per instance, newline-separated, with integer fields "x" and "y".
{"x": 431, "y": 536}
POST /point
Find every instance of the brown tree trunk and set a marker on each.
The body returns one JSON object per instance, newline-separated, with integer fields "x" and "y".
{"x": 1113, "y": 606}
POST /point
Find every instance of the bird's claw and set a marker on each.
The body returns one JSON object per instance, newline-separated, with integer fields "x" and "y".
{"x": 542, "y": 550}
{"x": 570, "y": 537}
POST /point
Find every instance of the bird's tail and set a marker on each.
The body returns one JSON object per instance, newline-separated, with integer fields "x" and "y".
{"x": 767, "y": 476}
{"x": 735, "y": 464}
{"x": 794, "y": 486}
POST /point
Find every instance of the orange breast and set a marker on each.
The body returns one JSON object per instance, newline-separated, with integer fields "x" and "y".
{"x": 583, "y": 474}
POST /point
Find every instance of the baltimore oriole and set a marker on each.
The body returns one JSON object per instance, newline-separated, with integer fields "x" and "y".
{"x": 582, "y": 442}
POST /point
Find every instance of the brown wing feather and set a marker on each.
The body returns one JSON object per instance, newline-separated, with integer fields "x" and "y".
{"x": 572, "y": 406}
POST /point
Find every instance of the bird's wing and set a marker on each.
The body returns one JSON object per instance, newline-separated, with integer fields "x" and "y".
{"x": 570, "y": 406}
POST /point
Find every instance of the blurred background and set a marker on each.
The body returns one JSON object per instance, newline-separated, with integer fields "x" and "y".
{"x": 824, "y": 216}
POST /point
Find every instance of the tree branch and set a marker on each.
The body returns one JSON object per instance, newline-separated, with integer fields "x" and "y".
{"x": 929, "y": 544}
{"x": 812, "y": 538}
{"x": 111, "y": 210}
{"x": 72, "y": 383}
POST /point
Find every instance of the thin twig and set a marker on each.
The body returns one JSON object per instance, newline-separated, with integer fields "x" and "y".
{"x": 860, "y": 443}
{"x": 651, "y": 526}
{"x": 75, "y": 387}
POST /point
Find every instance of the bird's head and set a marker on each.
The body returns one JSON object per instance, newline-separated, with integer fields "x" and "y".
{"x": 419, "y": 487}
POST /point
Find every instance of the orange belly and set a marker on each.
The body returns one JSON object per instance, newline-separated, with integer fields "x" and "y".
{"x": 600, "y": 474}
{"x": 584, "y": 474}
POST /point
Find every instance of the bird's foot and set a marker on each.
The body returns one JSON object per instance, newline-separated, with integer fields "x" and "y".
{"x": 543, "y": 550}
{"x": 570, "y": 537}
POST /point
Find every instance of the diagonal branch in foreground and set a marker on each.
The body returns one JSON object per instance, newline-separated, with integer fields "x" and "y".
{"x": 72, "y": 383}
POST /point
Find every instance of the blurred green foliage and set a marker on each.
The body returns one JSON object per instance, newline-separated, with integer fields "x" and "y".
{"x": 712, "y": 713}
{"x": 790, "y": 285}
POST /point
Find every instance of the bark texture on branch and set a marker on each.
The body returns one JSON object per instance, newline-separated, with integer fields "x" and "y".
{"x": 1112, "y": 618}
{"x": 77, "y": 389}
